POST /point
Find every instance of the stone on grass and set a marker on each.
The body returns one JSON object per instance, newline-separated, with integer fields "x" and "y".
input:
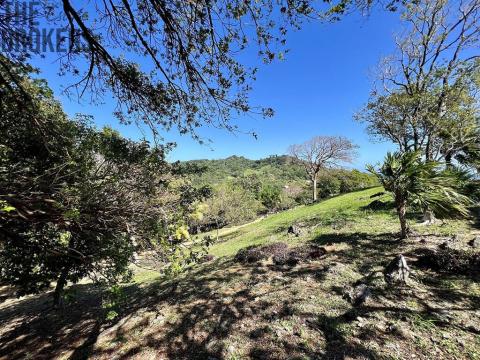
{"x": 397, "y": 271}
{"x": 207, "y": 258}
{"x": 358, "y": 294}
{"x": 475, "y": 242}
{"x": 294, "y": 230}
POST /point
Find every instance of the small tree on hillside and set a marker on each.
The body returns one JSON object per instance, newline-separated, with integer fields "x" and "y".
{"x": 425, "y": 184}
{"x": 322, "y": 152}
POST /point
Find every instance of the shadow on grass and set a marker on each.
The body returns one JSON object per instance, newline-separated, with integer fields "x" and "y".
{"x": 205, "y": 316}
{"x": 196, "y": 315}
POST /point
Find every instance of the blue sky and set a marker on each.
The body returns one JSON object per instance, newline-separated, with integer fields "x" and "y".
{"x": 325, "y": 78}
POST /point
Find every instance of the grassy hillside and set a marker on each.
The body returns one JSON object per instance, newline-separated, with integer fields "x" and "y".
{"x": 223, "y": 309}
{"x": 341, "y": 216}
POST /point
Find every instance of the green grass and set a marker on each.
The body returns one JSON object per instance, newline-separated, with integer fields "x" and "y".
{"x": 341, "y": 215}
{"x": 230, "y": 310}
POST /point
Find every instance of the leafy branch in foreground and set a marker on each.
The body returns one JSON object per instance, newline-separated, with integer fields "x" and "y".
{"x": 190, "y": 73}
{"x": 414, "y": 182}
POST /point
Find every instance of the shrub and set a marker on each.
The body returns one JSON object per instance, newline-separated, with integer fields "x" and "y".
{"x": 450, "y": 260}
{"x": 256, "y": 253}
{"x": 270, "y": 197}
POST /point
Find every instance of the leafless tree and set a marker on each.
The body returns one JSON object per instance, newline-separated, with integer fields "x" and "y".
{"x": 322, "y": 152}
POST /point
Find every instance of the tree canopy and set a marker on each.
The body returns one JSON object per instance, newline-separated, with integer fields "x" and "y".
{"x": 190, "y": 73}
{"x": 426, "y": 98}
{"x": 76, "y": 201}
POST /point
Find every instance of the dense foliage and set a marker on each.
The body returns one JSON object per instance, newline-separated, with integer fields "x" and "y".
{"x": 75, "y": 201}
{"x": 244, "y": 189}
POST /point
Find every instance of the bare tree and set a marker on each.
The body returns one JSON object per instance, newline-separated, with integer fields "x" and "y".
{"x": 322, "y": 152}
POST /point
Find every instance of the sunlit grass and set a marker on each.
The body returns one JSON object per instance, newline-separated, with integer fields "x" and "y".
{"x": 344, "y": 214}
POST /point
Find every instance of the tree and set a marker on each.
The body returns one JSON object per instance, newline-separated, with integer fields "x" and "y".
{"x": 427, "y": 99}
{"x": 413, "y": 181}
{"x": 75, "y": 201}
{"x": 230, "y": 204}
{"x": 322, "y": 152}
{"x": 270, "y": 196}
{"x": 190, "y": 74}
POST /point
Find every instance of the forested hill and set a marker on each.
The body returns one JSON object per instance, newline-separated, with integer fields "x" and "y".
{"x": 242, "y": 189}
{"x": 275, "y": 167}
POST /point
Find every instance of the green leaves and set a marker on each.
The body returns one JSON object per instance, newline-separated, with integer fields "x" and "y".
{"x": 5, "y": 207}
{"x": 424, "y": 184}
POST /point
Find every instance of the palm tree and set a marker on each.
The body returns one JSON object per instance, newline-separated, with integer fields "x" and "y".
{"x": 413, "y": 181}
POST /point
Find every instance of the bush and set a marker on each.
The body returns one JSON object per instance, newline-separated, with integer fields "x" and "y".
{"x": 270, "y": 197}
{"x": 328, "y": 184}
{"x": 450, "y": 260}
{"x": 256, "y": 253}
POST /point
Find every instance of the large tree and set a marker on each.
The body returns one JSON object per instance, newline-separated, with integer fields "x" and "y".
{"x": 75, "y": 201}
{"x": 322, "y": 152}
{"x": 427, "y": 94}
{"x": 190, "y": 73}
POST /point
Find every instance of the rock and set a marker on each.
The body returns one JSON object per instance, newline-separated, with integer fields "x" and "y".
{"x": 397, "y": 272}
{"x": 443, "y": 245}
{"x": 475, "y": 242}
{"x": 295, "y": 230}
{"x": 231, "y": 349}
{"x": 358, "y": 295}
{"x": 207, "y": 258}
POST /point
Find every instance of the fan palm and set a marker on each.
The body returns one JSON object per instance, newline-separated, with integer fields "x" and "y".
{"x": 415, "y": 182}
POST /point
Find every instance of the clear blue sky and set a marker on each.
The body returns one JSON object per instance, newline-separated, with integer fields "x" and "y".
{"x": 323, "y": 81}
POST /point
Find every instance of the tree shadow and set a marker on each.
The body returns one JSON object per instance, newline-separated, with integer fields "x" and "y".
{"x": 202, "y": 314}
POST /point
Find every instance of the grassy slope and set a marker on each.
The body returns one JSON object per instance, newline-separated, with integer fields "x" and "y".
{"x": 341, "y": 215}
{"x": 226, "y": 310}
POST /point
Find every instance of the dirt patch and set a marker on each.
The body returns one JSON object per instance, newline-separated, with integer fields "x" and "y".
{"x": 299, "y": 254}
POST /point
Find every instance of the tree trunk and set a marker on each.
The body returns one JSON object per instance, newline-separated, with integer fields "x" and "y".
{"x": 402, "y": 212}
{"x": 61, "y": 282}
{"x": 314, "y": 184}
{"x": 448, "y": 161}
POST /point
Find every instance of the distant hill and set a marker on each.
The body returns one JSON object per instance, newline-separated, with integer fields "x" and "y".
{"x": 273, "y": 168}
